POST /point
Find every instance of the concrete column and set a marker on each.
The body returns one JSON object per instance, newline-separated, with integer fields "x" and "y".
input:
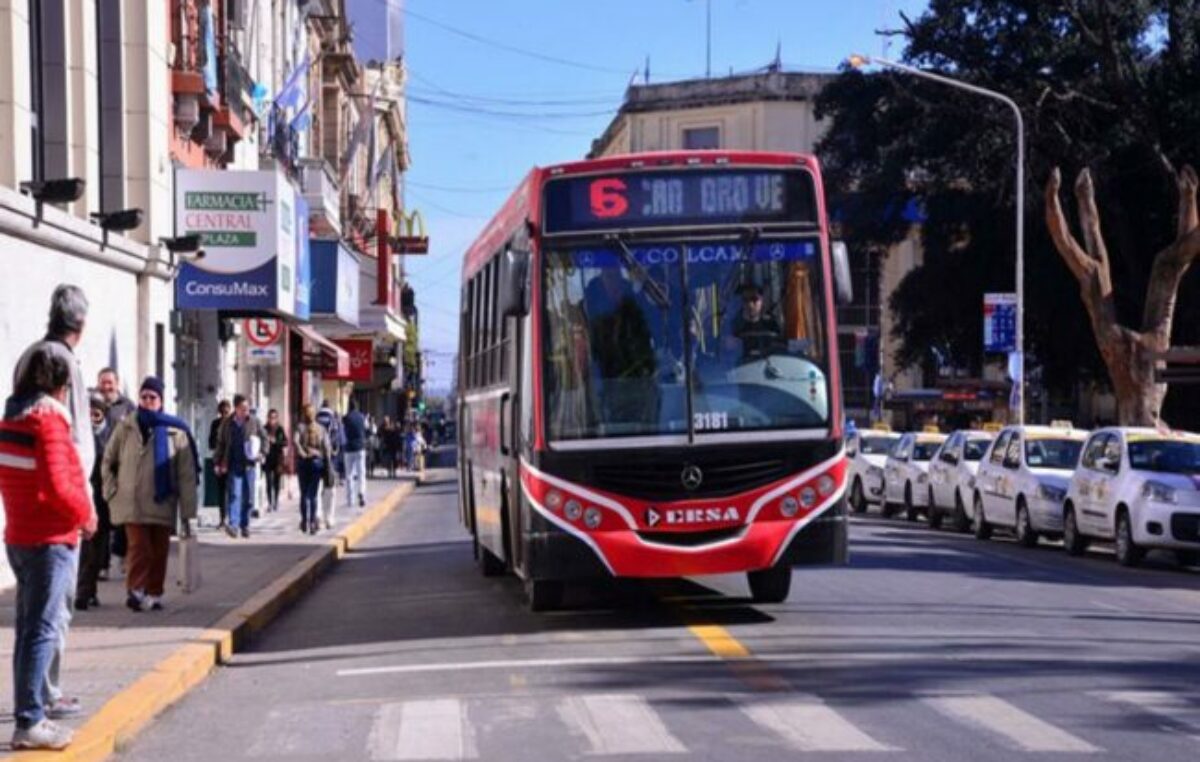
{"x": 147, "y": 96}
{"x": 82, "y": 103}
{"x": 15, "y": 161}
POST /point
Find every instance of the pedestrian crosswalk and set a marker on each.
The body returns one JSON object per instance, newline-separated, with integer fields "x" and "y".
{"x": 614, "y": 724}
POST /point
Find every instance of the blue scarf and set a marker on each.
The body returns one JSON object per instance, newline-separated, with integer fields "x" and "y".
{"x": 158, "y": 424}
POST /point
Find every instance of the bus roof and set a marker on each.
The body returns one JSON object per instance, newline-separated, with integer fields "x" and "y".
{"x": 523, "y": 204}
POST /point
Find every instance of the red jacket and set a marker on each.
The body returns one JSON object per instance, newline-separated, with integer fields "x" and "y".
{"x": 45, "y": 492}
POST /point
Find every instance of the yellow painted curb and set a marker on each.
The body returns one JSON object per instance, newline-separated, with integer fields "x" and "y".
{"x": 124, "y": 715}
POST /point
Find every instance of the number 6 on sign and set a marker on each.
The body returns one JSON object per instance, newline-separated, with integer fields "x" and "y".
{"x": 608, "y": 198}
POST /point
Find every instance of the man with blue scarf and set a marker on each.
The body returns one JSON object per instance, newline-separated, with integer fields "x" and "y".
{"x": 150, "y": 474}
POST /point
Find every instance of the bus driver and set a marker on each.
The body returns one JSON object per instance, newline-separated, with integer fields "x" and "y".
{"x": 754, "y": 327}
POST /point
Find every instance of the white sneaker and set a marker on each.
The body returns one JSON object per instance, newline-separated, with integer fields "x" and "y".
{"x": 44, "y": 735}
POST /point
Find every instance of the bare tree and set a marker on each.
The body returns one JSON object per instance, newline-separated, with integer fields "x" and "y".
{"x": 1131, "y": 356}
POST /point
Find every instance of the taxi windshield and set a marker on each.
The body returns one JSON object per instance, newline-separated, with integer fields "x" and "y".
{"x": 1053, "y": 453}
{"x": 975, "y": 448}
{"x": 925, "y": 450}
{"x": 877, "y": 445}
{"x": 1165, "y": 456}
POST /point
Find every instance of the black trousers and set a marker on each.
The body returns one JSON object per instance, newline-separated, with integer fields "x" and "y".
{"x": 94, "y": 553}
{"x": 223, "y": 493}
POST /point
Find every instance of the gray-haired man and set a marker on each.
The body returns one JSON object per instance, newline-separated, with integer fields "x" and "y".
{"x": 68, "y": 315}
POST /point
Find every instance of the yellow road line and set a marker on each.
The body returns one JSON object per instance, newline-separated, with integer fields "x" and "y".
{"x": 720, "y": 641}
{"x": 757, "y": 675}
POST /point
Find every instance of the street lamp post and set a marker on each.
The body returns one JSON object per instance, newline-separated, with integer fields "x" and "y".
{"x": 858, "y": 61}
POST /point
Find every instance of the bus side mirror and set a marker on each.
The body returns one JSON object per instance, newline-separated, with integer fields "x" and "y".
{"x": 514, "y": 283}
{"x": 841, "y": 273}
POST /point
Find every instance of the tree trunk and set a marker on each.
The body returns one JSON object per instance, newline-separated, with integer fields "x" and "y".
{"x": 1130, "y": 356}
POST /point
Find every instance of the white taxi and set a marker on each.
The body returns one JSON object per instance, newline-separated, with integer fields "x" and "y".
{"x": 1139, "y": 488}
{"x": 952, "y": 477}
{"x": 866, "y": 452}
{"x": 906, "y": 472}
{"x": 1021, "y": 483}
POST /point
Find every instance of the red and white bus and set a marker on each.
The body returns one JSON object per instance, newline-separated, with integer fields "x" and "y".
{"x": 648, "y": 374}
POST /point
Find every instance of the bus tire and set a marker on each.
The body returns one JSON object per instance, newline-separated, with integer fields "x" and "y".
{"x": 489, "y": 563}
{"x": 770, "y": 585}
{"x": 544, "y": 594}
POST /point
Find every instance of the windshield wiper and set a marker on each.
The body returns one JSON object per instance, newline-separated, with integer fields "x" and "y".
{"x": 653, "y": 287}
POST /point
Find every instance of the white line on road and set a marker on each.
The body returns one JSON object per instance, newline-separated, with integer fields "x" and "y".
{"x": 807, "y": 724}
{"x": 1021, "y": 729}
{"x": 823, "y": 657}
{"x": 411, "y": 730}
{"x": 1170, "y": 706}
{"x": 619, "y": 724}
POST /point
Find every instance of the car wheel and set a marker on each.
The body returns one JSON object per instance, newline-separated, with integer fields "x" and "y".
{"x": 932, "y": 514}
{"x": 1073, "y": 542}
{"x": 770, "y": 585}
{"x": 544, "y": 594}
{"x": 1026, "y": 537}
{"x": 1128, "y": 553}
{"x": 858, "y": 501}
{"x": 910, "y": 510}
{"x": 983, "y": 530}
{"x": 961, "y": 523}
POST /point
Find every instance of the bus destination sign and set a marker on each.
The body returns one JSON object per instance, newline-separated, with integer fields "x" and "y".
{"x": 682, "y": 198}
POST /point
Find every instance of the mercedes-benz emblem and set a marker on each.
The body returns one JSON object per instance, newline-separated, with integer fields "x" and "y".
{"x": 691, "y": 477}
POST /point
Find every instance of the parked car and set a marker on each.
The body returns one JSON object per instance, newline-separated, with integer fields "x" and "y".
{"x": 1022, "y": 482}
{"x": 952, "y": 477}
{"x": 866, "y": 452}
{"x": 906, "y": 472}
{"x": 1139, "y": 488}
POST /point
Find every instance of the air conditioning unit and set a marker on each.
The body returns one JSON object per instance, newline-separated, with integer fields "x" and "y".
{"x": 217, "y": 143}
{"x": 187, "y": 112}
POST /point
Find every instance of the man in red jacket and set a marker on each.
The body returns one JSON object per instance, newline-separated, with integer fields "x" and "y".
{"x": 46, "y": 504}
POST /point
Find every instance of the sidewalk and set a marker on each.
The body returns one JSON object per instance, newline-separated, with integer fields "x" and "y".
{"x": 245, "y": 582}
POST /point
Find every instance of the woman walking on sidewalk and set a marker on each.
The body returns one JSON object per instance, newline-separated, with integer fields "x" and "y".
{"x": 276, "y": 460}
{"x": 314, "y": 464}
{"x": 150, "y": 476}
{"x": 46, "y": 504}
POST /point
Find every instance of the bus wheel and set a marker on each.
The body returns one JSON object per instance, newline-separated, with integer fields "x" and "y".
{"x": 858, "y": 501}
{"x": 770, "y": 585}
{"x": 544, "y": 594}
{"x": 489, "y": 563}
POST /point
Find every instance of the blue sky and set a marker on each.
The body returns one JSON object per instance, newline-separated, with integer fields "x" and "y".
{"x": 482, "y": 114}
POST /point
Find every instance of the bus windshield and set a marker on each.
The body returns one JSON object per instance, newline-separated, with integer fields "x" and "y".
{"x": 634, "y": 333}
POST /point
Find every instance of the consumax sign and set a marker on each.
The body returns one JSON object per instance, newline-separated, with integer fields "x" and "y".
{"x": 246, "y": 222}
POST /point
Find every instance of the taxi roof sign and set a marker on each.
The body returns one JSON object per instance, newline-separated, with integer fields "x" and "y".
{"x": 1061, "y": 423}
{"x": 931, "y": 430}
{"x": 992, "y": 427}
{"x": 881, "y": 427}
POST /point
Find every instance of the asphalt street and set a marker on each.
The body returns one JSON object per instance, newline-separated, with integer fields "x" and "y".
{"x": 930, "y": 646}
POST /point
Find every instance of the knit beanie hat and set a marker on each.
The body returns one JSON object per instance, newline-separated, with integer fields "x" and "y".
{"x": 154, "y": 384}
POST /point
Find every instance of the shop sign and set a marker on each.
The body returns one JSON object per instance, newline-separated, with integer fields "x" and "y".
{"x": 303, "y": 262}
{"x": 247, "y": 227}
{"x": 335, "y": 282}
{"x": 362, "y": 360}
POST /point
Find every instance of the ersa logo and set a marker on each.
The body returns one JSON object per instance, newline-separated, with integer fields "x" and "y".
{"x": 691, "y": 516}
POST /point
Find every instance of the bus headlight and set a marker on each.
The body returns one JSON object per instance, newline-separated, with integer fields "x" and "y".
{"x": 808, "y": 497}
{"x": 826, "y": 485}
{"x": 573, "y": 510}
{"x": 591, "y": 517}
{"x": 554, "y": 500}
{"x": 788, "y": 506}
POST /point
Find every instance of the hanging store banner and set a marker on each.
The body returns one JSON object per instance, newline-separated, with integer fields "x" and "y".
{"x": 247, "y": 227}
{"x": 362, "y": 360}
{"x": 303, "y": 262}
{"x": 335, "y": 281}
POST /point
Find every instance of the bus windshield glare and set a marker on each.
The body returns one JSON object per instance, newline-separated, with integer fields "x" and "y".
{"x": 633, "y": 331}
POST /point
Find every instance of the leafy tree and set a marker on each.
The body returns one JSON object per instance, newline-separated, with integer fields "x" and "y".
{"x": 1105, "y": 85}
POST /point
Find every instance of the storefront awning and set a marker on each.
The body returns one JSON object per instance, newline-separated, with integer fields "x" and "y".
{"x": 332, "y": 358}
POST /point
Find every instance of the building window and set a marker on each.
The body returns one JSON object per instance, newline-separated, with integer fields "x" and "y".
{"x": 701, "y": 138}
{"x": 36, "y": 101}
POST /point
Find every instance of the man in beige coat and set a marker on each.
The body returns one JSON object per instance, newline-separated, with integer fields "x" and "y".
{"x": 150, "y": 478}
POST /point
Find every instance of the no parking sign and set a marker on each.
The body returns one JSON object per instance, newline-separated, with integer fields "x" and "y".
{"x": 262, "y": 336}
